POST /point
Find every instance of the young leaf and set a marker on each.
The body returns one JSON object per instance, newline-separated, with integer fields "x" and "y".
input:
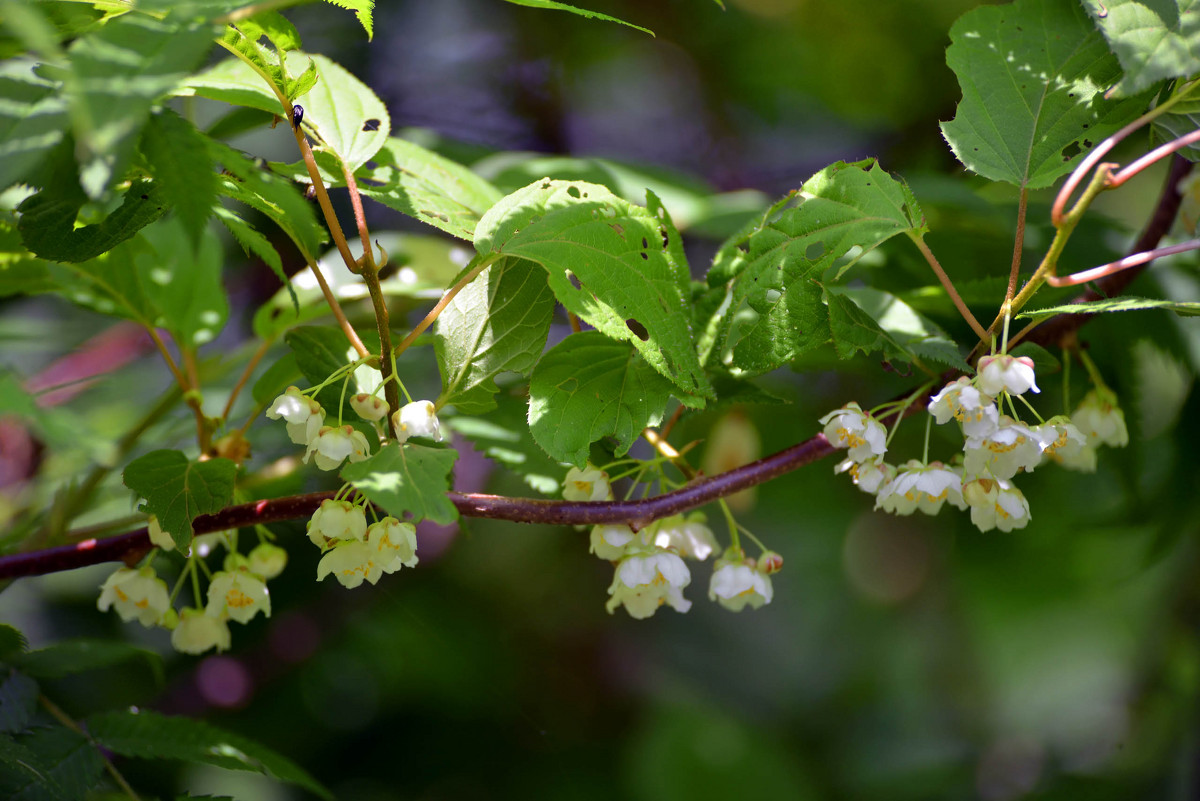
{"x": 347, "y": 116}
{"x": 150, "y": 735}
{"x": 1182, "y": 308}
{"x": 177, "y": 490}
{"x": 184, "y": 283}
{"x": 33, "y": 119}
{"x": 550, "y": 4}
{"x": 498, "y": 323}
{"x": 1033, "y": 77}
{"x": 609, "y": 262}
{"x": 362, "y": 10}
{"x": 1153, "y": 41}
{"x": 279, "y": 31}
{"x": 588, "y": 387}
{"x": 409, "y": 481}
{"x": 428, "y": 187}
{"x": 182, "y": 170}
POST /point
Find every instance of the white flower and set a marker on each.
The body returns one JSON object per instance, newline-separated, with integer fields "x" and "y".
{"x": 395, "y": 544}
{"x": 962, "y": 401}
{"x": 921, "y": 486}
{"x": 196, "y": 632}
{"x": 609, "y": 541}
{"x": 996, "y": 504}
{"x": 303, "y": 414}
{"x": 237, "y": 594}
{"x": 135, "y": 594}
{"x": 204, "y": 544}
{"x": 1061, "y": 441}
{"x": 350, "y": 562}
{"x": 417, "y": 419}
{"x": 689, "y": 537}
{"x": 337, "y": 520}
{"x": 368, "y": 407}
{"x": 736, "y": 585}
{"x": 158, "y": 537}
{"x": 1099, "y": 417}
{"x": 267, "y": 560}
{"x": 590, "y": 484}
{"x": 868, "y": 475}
{"x": 1004, "y": 452}
{"x": 851, "y": 427}
{"x": 1004, "y": 373}
{"x": 333, "y": 444}
{"x": 644, "y": 582}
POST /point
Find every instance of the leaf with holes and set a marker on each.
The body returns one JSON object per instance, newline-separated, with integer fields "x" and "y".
{"x": 611, "y": 263}
{"x": 1033, "y": 76}
{"x": 177, "y": 490}
{"x": 428, "y": 187}
{"x": 1152, "y": 40}
{"x": 497, "y": 323}
{"x": 346, "y": 115}
{"x": 409, "y": 481}
{"x": 588, "y": 387}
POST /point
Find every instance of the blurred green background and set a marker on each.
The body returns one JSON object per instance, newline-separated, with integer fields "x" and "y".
{"x": 902, "y": 658}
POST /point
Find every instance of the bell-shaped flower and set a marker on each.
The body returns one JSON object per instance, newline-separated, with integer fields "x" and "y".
{"x": 689, "y": 537}
{"x": 1099, "y": 417}
{"x": 395, "y": 544}
{"x": 204, "y": 544}
{"x": 868, "y": 475}
{"x": 609, "y": 541}
{"x": 961, "y": 400}
{"x": 196, "y": 632}
{"x": 645, "y": 581}
{"x": 590, "y": 484}
{"x": 368, "y": 407}
{"x": 303, "y": 414}
{"x": 158, "y": 537}
{"x": 736, "y": 585}
{"x": 996, "y": 503}
{"x": 334, "y": 444}
{"x": 921, "y": 486}
{"x": 851, "y": 427}
{"x": 337, "y": 520}
{"x": 350, "y": 562}
{"x": 237, "y": 594}
{"x": 1012, "y": 447}
{"x": 266, "y": 560}
{"x": 136, "y": 595}
{"x": 1004, "y": 373}
{"x": 1061, "y": 441}
{"x": 417, "y": 419}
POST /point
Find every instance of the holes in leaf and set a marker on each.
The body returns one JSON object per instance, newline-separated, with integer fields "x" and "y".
{"x": 371, "y": 125}
{"x": 666, "y": 239}
{"x": 638, "y": 329}
{"x": 574, "y": 281}
{"x": 814, "y": 251}
{"x": 645, "y": 256}
{"x": 617, "y": 227}
{"x": 1070, "y": 151}
{"x": 573, "y": 191}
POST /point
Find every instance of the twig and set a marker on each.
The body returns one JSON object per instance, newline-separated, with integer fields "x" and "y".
{"x": 949, "y": 286}
{"x": 484, "y": 263}
{"x": 1136, "y": 260}
{"x": 1018, "y": 246}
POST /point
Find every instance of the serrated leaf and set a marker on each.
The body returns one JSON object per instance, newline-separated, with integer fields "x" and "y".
{"x": 1153, "y": 39}
{"x": 1182, "y": 308}
{"x": 503, "y": 436}
{"x": 232, "y": 81}
{"x": 79, "y": 655}
{"x": 409, "y": 481}
{"x": 362, "y": 10}
{"x": 181, "y": 169}
{"x": 12, "y": 643}
{"x": 184, "y": 283}
{"x": 908, "y": 333}
{"x": 1033, "y": 76}
{"x": 150, "y": 735}
{"x": 428, "y": 187}
{"x": 22, "y": 774}
{"x": 497, "y": 323}
{"x": 851, "y": 329}
{"x": 20, "y": 272}
{"x": 18, "y": 701}
{"x": 553, "y": 6}
{"x": 65, "y": 766}
{"x": 279, "y": 31}
{"x": 347, "y": 117}
{"x": 254, "y": 242}
{"x": 589, "y": 387}
{"x": 609, "y": 262}
{"x": 177, "y": 490}
{"x": 33, "y": 119}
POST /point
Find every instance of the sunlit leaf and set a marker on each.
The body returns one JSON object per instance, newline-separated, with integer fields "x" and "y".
{"x": 182, "y": 170}
{"x": 362, "y": 9}
{"x": 1153, "y": 39}
{"x": 409, "y": 481}
{"x": 583, "y": 12}
{"x": 1182, "y": 308}
{"x": 178, "y": 490}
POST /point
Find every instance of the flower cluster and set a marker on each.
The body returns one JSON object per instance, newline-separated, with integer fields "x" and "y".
{"x": 997, "y": 448}
{"x": 355, "y": 552}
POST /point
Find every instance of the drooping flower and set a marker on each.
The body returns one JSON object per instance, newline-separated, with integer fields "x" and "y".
{"x": 395, "y": 544}
{"x": 1101, "y": 419}
{"x": 337, "y": 520}
{"x": 921, "y": 486}
{"x": 334, "y": 444}
{"x": 303, "y": 414}
{"x": 1005, "y": 373}
{"x": 736, "y": 585}
{"x": 590, "y": 484}
{"x": 197, "y": 632}
{"x": 689, "y": 537}
{"x": 351, "y": 562}
{"x": 644, "y": 582}
{"x": 368, "y": 407}
{"x": 851, "y": 427}
{"x": 237, "y": 594}
{"x": 961, "y": 400}
{"x": 609, "y": 541}
{"x": 267, "y": 560}
{"x": 136, "y": 595}
{"x": 158, "y": 537}
{"x": 1003, "y": 453}
{"x": 996, "y": 503}
{"x": 417, "y": 419}
{"x": 868, "y": 475}
{"x": 1062, "y": 442}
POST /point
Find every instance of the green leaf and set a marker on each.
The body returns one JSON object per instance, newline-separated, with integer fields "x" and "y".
{"x": 109, "y": 283}
{"x": 79, "y": 655}
{"x": 33, "y": 119}
{"x": 150, "y": 735}
{"x": 65, "y": 766}
{"x": 12, "y": 643}
{"x": 20, "y": 272}
{"x": 409, "y": 481}
{"x": 254, "y": 242}
{"x": 177, "y": 491}
{"x": 182, "y": 170}
{"x": 1033, "y": 77}
{"x": 428, "y": 187}
{"x": 908, "y": 334}
{"x": 273, "y": 25}
{"x": 851, "y": 329}
{"x": 320, "y": 352}
{"x": 503, "y": 436}
{"x": 1182, "y": 308}
{"x": 362, "y": 10}
{"x": 611, "y": 263}
{"x": 550, "y": 4}
{"x": 588, "y": 387}
{"x": 1153, "y": 39}
{"x": 497, "y": 323}
{"x": 18, "y": 701}
{"x": 345, "y": 115}
{"x": 276, "y": 379}
{"x": 23, "y": 775}
{"x": 1182, "y": 119}
{"x": 232, "y": 81}
{"x": 184, "y": 283}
